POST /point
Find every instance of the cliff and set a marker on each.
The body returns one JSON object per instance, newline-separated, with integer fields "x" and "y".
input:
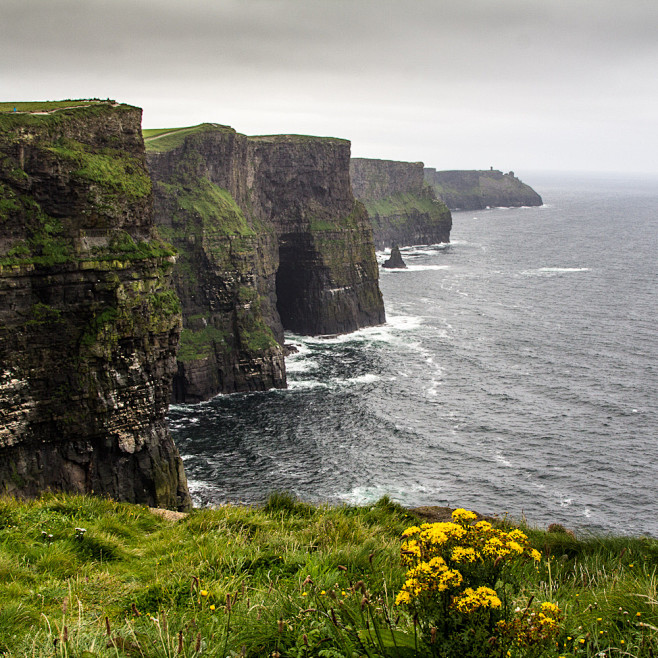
{"x": 88, "y": 322}
{"x": 474, "y": 190}
{"x": 402, "y": 208}
{"x": 270, "y": 237}
{"x": 227, "y": 263}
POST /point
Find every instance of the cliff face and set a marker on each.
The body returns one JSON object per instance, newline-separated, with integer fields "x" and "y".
{"x": 270, "y": 237}
{"x": 88, "y": 322}
{"x": 228, "y": 258}
{"x": 402, "y": 208}
{"x": 327, "y": 280}
{"x": 474, "y": 190}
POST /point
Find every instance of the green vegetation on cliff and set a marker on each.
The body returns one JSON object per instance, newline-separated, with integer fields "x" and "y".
{"x": 160, "y": 140}
{"x": 49, "y": 106}
{"x": 215, "y": 207}
{"x": 107, "y": 167}
{"x": 398, "y": 206}
{"x": 91, "y": 578}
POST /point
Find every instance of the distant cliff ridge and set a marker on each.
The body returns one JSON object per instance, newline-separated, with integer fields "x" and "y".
{"x": 89, "y": 324}
{"x": 474, "y": 190}
{"x": 270, "y": 237}
{"x": 402, "y": 208}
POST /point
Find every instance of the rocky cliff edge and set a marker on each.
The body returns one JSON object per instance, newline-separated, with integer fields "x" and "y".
{"x": 474, "y": 190}
{"x": 89, "y": 324}
{"x": 402, "y": 208}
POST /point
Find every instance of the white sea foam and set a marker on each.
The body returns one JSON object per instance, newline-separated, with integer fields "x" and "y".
{"x": 305, "y": 383}
{"x": 416, "y": 268}
{"x": 369, "y": 494}
{"x": 360, "y": 379}
{"x": 501, "y": 460}
{"x": 300, "y": 362}
{"x": 563, "y": 269}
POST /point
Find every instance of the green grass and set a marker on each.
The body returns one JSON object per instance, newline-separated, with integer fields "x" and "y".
{"x": 401, "y": 204}
{"x": 288, "y": 577}
{"x": 48, "y": 106}
{"x": 200, "y": 344}
{"x": 110, "y": 168}
{"x": 159, "y": 140}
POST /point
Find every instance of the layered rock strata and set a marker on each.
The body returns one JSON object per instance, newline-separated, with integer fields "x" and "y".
{"x": 270, "y": 237}
{"x": 474, "y": 190}
{"x": 402, "y": 208}
{"x": 89, "y": 324}
{"x": 227, "y": 263}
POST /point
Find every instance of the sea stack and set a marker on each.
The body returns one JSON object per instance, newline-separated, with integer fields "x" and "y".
{"x": 89, "y": 324}
{"x": 395, "y": 262}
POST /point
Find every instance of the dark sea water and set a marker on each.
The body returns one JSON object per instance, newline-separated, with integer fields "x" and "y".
{"x": 517, "y": 374}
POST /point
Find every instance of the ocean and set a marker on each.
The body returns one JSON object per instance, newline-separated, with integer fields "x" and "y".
{"x": 516, "y": 375}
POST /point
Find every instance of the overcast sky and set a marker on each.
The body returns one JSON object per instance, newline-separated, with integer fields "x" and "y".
{"x": 458, "y": 84}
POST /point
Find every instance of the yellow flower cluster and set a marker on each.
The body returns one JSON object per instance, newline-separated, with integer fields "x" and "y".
{"x": 471, "y": 600}
{"x": 431, "y": 576}
{"x": 437, "y": 554}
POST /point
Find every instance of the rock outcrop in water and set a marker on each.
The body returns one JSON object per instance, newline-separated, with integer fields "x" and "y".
{"x": 395, "y": 262}
{"x": 474, "y": 190}
{"x": 270, "y": 237}
{"x": 89, "y": 324}
{"x": 402, "y": 208}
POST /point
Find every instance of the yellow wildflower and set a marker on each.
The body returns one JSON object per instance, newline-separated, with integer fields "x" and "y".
{"x": 461, "y": 554}
{"x": 471, "y": 600}
{"x": 463, "y": 516}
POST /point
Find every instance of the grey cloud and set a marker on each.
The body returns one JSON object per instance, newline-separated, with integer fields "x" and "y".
{"x": 457, "y": 72}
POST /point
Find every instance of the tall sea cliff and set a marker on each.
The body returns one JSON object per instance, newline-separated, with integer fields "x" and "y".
{"x": 270, "y": 237}
{"x": 402, "y": 208}
{"x": 89, "y": 323}
{"x": 477, "y": 189}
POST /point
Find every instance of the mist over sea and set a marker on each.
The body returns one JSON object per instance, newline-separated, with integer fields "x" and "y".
{"x": 517, "y": 374}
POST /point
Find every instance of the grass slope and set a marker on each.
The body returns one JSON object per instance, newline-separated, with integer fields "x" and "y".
{"x": 86, "y": 577}
{"x": 159, "y": 140}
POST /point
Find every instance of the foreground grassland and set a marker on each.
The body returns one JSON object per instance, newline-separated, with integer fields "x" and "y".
{"x": 86, "y": 577}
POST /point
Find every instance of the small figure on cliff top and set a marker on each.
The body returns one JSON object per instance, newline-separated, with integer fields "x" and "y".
{"x": 395, "y": 262}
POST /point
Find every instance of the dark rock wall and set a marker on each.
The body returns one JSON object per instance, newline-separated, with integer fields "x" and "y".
{"x": 402, "y": 208}
{"x": 269, "y": 236}
{"x": 88, "y": 322}
{"x": 474, "y": 190}
{"x": 327, "y": 280}
{"x": 225, "y": 276}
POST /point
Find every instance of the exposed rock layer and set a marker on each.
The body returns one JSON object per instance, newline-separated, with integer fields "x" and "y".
{"x": 402, "y": 208}
{"x": 88, "y": 322}
{"x": 227, "y": 263}
{"x": 270, "y": 237}
{"x": 474, "y": 190}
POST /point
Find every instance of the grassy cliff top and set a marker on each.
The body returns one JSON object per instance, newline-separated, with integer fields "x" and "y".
{"x": 50, "y": 106}
{"x": 159, "y": 140}
{"x": 297, "y": 138}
